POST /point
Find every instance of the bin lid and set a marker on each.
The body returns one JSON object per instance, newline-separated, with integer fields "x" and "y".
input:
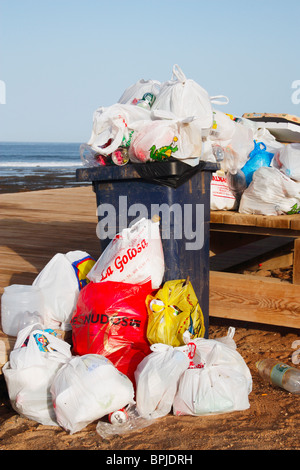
{"x": 170, "y": 173}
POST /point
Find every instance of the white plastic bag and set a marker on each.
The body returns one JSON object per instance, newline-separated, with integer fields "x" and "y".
{"x": 270, "y": 193}
{"x": 113, "y": 126}
{"x": 151, "y": 140}
{"x": 167, "y": 136}
{"x": 87, "y": 388}
{"x": 221, "y": 198}
{"x": 60, "y": 282}
{"x": 135, "y": 92}
{"x": 242, "y": 144}
{"x": 288, "y": 160}
{"x": 228, "y": 339}
{"x": 190, "y": 143}
{"x": 222, "y": 385}
{"x": 235, "y": 138}
{"x": 211, "y": 390}
{"x": 185, "y": 98}
{"x": 223, "y": 127}
{"x": 188, "y": 135}
{"x": 261, "y": 134}
{"x": 134, "y": 256}
{"x": 157, "y": 378}
{"x": 33, "y": 363}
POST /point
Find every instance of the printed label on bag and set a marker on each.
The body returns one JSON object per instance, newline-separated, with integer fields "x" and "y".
{"x": 82, "y": 268}
{"x": 219, "y": 187}
{"x": 165, "y": 152}
{"x": 120, "y": 262}
{"x": 104, "y": 319}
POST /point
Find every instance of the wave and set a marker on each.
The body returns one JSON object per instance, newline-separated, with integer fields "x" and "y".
{"x": 47, "y": 164}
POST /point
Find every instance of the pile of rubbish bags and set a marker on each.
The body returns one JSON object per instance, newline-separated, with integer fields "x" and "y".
{"x": 177, "y": 120}
{"x": 154, "y": 121}
{"x": 267, "y": 182}
{"x": 138, "y": 349}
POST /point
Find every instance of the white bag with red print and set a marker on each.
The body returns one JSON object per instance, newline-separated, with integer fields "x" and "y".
{"x": 221, "y": 198}
{"x": 134, "y": 256}
{"x": 221, "y": 384}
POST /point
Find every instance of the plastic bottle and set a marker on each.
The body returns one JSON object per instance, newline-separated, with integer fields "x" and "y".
{"x": 122, "y": 421}
{"x": 15, "y": 301}
{"x": 147, "y": 101}
{"x": 236, "y": 181}
{"x": 280, "y": 374}
{"x": 218, "y": 152}
{"x": 30, "y": 318}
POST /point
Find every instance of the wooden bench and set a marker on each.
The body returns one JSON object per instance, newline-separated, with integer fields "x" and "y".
{"x": 247, "y": 297}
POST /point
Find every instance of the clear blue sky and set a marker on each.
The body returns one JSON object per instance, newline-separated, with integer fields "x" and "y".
{"x": 62, "y": 59}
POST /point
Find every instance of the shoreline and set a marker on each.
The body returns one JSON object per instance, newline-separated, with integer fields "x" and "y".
{"x": 42, "y": 180}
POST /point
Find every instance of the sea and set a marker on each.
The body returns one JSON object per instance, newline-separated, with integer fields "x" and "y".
{"x": 29, "y": 166}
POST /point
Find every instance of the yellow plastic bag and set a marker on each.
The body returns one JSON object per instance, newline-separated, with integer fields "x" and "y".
{"x": 173, "y": 310}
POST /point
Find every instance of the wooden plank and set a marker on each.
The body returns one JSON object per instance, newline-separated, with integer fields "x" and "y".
{"x": 254, "y": 299}
{"x": 275, "y": 221}
{"x": 56, "y": 204}
{"x": 296, "y": 265}
{"x": 255, "y": 230}
{"x": 217, "y": 216}
{"x": 234, "y": 218}
{"x": 295, "y": 222}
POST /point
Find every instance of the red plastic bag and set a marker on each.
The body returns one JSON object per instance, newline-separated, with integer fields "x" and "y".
{"x": 111, "y": 319}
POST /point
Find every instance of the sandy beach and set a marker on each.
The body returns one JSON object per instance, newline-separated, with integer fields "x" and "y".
{"x": 35, "y": 225}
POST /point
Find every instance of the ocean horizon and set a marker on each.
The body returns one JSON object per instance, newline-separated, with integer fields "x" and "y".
{"x": 26, "y": 166}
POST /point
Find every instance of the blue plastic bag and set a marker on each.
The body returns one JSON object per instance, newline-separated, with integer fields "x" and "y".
{"x": 257, "y": 158}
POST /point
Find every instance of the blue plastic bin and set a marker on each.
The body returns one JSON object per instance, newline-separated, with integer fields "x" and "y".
{"x": 185, "y": 215}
